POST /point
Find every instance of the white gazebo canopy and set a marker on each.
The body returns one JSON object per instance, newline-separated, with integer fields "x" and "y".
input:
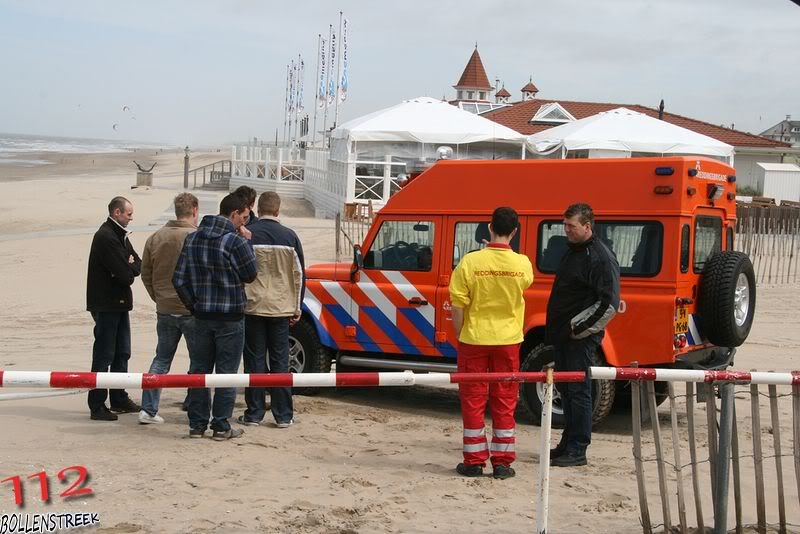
{"x": 425, "y": 120}
{"x": 621, "y": 132}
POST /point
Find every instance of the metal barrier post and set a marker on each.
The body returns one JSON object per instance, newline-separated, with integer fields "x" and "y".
{"x": 723, "y": 459}
{"x": 544, "y": 454}
{"x": 698, "y": 504}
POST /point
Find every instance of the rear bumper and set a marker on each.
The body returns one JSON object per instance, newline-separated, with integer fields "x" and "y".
{"x": 708, "y": 358}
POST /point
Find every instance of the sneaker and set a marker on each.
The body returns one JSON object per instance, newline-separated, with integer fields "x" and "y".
{"x": 469, "y": 470}
{"x": 242, "y": 421}
{"x": 222, "y": 435}
{"x": 569, "y": 460}
{"x": 103, "y": 414}
{"x": 127, "y": 407}
{"x": 286, "y": 424}
{"x": 503, "y": 472}
{"x": 197, "y": 432}
{"x": 147, "y": 419}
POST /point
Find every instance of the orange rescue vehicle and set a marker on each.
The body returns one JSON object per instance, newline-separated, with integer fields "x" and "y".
{"x": 687, "y": 298}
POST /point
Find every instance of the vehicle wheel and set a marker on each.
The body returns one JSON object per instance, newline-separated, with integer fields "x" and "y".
{"x": 307, "y": 354}
{"x": 727, "y": 298}
{"x": 533, "y": 392}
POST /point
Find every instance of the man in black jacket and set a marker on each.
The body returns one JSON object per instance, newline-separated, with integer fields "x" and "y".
{"x": 584, "y": 298}
{"x": 113, "y": 265}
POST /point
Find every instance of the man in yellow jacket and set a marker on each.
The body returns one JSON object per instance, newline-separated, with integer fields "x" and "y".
{"x": 488, "y": 308}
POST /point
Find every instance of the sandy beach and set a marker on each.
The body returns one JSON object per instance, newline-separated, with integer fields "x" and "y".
{"x": 360, "y": 460}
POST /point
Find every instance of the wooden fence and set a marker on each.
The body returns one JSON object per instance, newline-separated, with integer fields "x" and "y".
{"x": 754, "y": 453}
{"x": 770, "y": 235}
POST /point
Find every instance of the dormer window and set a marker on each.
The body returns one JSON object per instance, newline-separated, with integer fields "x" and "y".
{"x": 552, "y": 113}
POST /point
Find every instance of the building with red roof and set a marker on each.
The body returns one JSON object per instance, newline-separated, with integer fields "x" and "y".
{"x": 531, "y": 115}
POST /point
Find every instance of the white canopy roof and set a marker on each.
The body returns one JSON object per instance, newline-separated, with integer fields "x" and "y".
{"x": 425, "y": 120}
{"x": 627, "y": 131}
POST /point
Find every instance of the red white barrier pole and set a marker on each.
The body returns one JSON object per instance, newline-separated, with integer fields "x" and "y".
{"x": 61, "y": 379}
{"x": 690, "y": 375}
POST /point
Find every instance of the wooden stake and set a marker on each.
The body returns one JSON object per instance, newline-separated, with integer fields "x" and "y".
{"x": 636, "y": 403}
{"x": 676, "y": 448}
{"x": 737, "y": 478}
{"x": 758, "y": 459}
{"x": 711, "y": 418}
{"x": 662, "y": 472}
{"x": 698, "y": 504}
{"x": 776, "y": 440}
{"x": 796, "y": 432}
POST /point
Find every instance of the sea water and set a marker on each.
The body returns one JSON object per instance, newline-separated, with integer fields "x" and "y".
{"x": 21, "y": 150}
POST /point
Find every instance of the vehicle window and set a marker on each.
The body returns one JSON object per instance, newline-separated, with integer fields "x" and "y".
{"x": 685, "y": 248}
{"x": 470, "y": 236}
{"x": 707, "y": 239}
{"x": 402, "y": 246}
{"x": 729, "y": 239}
{"x": 637, "y": 245}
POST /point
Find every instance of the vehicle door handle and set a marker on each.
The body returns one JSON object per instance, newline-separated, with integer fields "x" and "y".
{"x": 416, "y": 301}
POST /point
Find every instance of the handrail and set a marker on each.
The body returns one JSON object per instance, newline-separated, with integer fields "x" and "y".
{"x": 213, "y": 169}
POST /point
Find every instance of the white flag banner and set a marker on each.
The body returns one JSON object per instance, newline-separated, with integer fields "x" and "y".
{"x": 292, "y": 74}
{"x": 332, "y": 69}
{"x": 288, "y": 89}
{"x": 321, "y": 85}
{"x": 343, "y": 80}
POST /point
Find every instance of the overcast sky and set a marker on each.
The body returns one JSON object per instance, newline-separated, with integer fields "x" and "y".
{"x": 200, "y": 72}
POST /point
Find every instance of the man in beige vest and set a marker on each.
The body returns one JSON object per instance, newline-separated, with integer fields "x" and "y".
{"x": 273, "y": 304}
{"x": 161, "y": 252}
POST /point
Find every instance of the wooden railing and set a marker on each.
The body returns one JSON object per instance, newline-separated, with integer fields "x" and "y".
{"x": 213, "y": 174}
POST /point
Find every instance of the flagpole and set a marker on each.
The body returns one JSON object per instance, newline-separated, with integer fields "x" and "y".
{"x": 297, "y": 97}
{"x": 327, "y": 85}
{"x": 316, "y": 96}
{"x": 338, "y": 74}
{"x": 286, "y": 103}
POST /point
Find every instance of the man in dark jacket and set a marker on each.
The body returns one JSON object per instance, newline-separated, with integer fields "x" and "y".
{"x": 113, "y": 265}
{"x": 584, "y": 299}
{"x": 209, "y": 278}
{"x": 273, "y": 305}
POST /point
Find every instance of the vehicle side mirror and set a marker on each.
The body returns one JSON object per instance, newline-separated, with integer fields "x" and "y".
{"x": 358, "y": 262}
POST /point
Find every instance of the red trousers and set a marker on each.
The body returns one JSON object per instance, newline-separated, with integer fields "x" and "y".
{"x": 502, "y": 397}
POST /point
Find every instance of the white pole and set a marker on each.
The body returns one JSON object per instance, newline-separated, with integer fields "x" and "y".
{"x": 338, "y": 75}
{"x": 316, "y": 93}
{"x": 286, "y": 103}
{"x": 544, "y": 455}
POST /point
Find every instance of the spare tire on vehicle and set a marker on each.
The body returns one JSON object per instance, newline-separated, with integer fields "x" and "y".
{"x": 727, "y": 298}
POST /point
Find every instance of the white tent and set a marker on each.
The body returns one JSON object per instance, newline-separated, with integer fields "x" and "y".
{"x": 621, "y": 132}
{"x": 425, "y": 120}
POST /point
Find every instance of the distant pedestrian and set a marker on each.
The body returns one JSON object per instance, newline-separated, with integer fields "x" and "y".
{"x": 113, "y": 266}
{"x": 161, "y": 252}
{"x": 273, "y": 304}
{"x": 488, "y": 308}
{"x": 584, "y": 298}
{"x": 210, "y": 275}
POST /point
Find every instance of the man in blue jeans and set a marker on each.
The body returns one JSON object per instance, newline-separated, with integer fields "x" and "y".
{"x": 273, "y": 304}
{"x": 215, "y": 263}
{"x": 113, "y": 266}
{"x": 584, "y": 298}
{"x": 174, "y": 321}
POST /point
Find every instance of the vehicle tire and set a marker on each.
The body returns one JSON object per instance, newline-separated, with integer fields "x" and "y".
{"x": 307, "y": 354}
{"x": 727, "y": 298}
{"x": 532, "y": 393}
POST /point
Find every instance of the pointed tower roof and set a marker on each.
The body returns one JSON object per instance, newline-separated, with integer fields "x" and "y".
{"x": 503, "y": 92}
{"x": 529, "y": 87}
{"x": 474, "y": 75}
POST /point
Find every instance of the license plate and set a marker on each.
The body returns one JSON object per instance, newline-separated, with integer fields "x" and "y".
{"x": 681, "y": 320}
